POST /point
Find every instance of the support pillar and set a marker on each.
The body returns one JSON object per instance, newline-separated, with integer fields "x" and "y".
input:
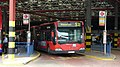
{"x": 11, "y": 44}
{"x": 5, "y": 22}
{"x": 115, "y": 45}
{"x": 1, "y": 30}
{"x": 34, "y": 34}
{"x": 88, "y": 25}
{"x": 116, "y": 16}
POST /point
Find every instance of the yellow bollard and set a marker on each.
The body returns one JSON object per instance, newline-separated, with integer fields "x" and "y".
{"x": 2, "y": 56}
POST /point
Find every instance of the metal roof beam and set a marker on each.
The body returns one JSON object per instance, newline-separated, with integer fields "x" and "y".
{"x": 3, "y": 0}
{"x": 29, "y": 12}
{"x": 55, "y": 10}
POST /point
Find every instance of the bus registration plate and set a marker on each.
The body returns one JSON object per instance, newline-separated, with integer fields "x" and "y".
{"x": 71, "y": 51}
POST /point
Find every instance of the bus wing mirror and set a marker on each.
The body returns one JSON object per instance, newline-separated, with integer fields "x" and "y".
{"x": 53, "y": 37}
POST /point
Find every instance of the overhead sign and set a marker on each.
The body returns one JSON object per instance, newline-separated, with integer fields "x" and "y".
{"x": 25, "y": 22}
{"x": 69, "y": 24}
{"x": 102, "y": 14}
{"x": 102, "y": 18}
{"x": 26, "y": 18}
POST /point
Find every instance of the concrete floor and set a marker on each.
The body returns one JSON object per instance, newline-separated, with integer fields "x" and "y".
{"x": 72, "y": 60}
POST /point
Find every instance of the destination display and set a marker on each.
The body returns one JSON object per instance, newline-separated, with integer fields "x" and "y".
{"x": 69, "y": 24}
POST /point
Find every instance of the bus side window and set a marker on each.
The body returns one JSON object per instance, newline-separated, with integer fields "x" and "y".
{"x": 42, "y": 36}
{"x": 47, "y": 36}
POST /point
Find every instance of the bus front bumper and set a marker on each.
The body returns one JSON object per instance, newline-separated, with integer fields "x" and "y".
{"x": 67, "y": 52}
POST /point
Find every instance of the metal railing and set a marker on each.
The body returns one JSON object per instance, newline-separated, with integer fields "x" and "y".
{"x": 25, "y": 47}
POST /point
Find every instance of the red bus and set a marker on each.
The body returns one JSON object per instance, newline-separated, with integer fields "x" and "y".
{"x": 61, "y": 37}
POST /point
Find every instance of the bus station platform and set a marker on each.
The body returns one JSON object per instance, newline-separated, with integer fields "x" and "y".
{"x": 19, "y": 59}
{"x": 99, "y": 55}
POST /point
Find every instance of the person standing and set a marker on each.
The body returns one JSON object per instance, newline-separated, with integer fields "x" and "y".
{"x": 5, "y": 43}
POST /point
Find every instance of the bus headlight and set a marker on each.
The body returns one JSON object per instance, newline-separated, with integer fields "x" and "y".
{"x": 82, "y": 49}
{"x": 74, "y": 45}
{"x": 58, "y": 49}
